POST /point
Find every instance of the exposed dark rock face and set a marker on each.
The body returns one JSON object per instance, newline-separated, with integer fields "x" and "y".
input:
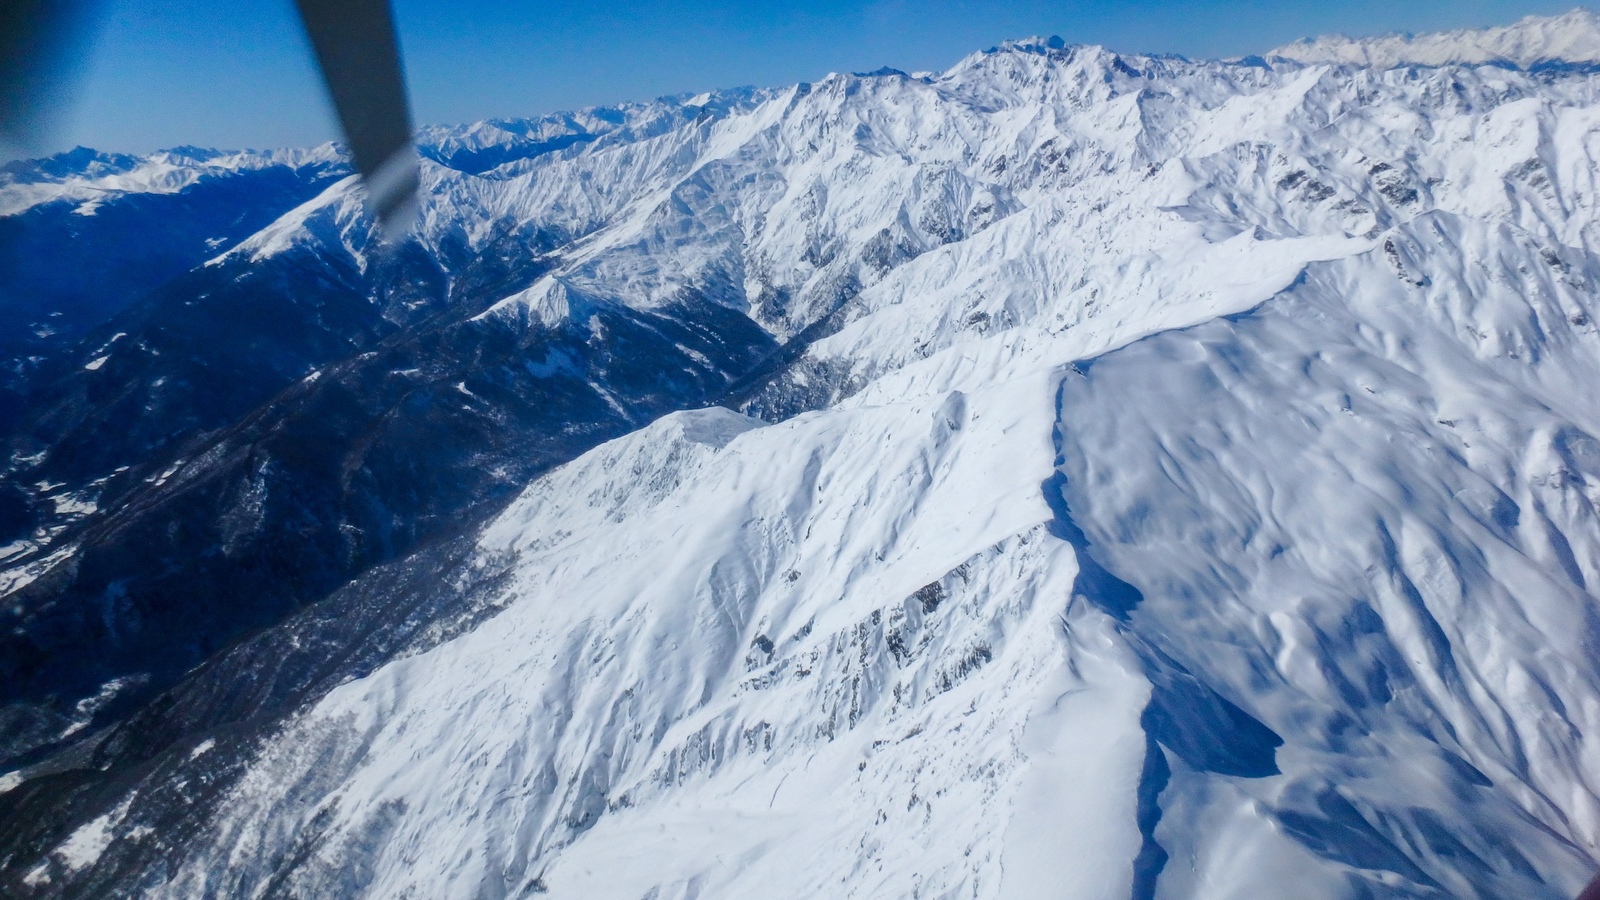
{"x": 233, "y": 489}
{"x": 226, "y": 706}
{"x": 65, "y": 270}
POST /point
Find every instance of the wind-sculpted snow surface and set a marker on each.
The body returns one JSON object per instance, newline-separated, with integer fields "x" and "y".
{"x": 1179, "y": 482}
{"x": 1365, "y": 511}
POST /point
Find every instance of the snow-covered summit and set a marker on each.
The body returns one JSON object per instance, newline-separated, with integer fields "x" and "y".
{"x": 1573, "y": 37}
{"x": 504, "y": 147}
{"x": 1034, "y": 44}
{"x": 78, "y": 162}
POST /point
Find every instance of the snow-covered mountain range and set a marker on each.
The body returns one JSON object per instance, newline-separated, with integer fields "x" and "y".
{"x": 1092, "y": 476}
{"x": 1534, "y": 42}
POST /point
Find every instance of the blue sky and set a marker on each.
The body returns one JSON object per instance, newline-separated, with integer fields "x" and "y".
{"x": 161, "y": 73}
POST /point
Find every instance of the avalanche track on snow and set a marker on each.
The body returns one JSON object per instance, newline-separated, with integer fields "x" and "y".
{"x": 1212, "y": 514}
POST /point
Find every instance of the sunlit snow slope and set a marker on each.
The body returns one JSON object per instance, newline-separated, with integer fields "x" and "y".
{"x": 1212, "y": 517}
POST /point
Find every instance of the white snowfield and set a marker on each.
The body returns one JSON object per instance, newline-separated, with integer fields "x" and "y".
{"x": 1204, "y": 507}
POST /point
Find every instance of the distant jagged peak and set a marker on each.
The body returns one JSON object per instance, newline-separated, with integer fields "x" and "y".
{"x": 882, "y": 72}
{"x": 1031, "y": 51}
{"x": 79, "y": 161}
{"x": 1573, "y": 37}
{"x": 1034, "y": 44}
{"x": 90, "y": 177}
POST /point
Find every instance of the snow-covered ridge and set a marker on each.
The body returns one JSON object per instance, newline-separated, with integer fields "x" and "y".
{"x": 90, "y": 178}
{"x": 491, "y": 148}
{"x": 1570, "y": 38}
{"x": 505, "y": 146}
{"x": 502, "y": 147}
